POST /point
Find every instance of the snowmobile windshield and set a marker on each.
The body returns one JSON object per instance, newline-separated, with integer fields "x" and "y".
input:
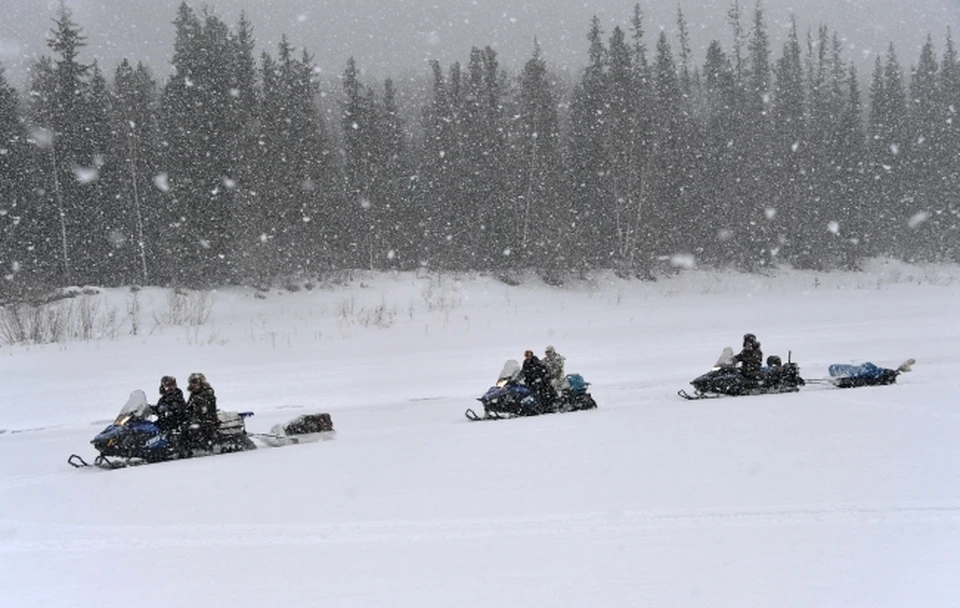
{"x": 135, "y": 407}
{"x": 726, "y": 358}
{"x": 510, "y": 372}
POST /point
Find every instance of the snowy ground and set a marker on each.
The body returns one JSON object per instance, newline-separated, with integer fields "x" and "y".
{"x": 817, "y": 499}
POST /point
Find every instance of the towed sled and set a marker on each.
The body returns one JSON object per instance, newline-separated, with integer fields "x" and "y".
{"x": 511, "y": 398}
{"x": 134, "y": 438}
{"x": 866, "y": 374}
{"x": 725, "y": 379}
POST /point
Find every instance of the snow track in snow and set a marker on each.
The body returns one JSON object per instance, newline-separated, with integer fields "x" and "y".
{"x": 91, "y": 539}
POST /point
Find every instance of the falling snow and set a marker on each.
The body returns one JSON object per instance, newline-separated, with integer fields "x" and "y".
{"x": 86, "y": 175}
{"x": 161, "y": 181}
{"x": 918, "y": 218}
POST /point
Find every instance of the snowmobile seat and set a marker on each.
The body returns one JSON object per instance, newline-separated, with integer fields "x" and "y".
{"x": 231, "y": 423}
{"x": 575, "y": 384}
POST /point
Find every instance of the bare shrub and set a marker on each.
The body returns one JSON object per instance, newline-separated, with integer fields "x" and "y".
{"x": 552, "y": 277}
{"x": 13, "y": 327}
{"x": 380, "y": 316}
{"x": 53, "y": 325}
{"x": 133, "y": 312}
{"x": 509, "y": 278}
{"x": 440, "y": 295}
{"x": 346, "y": 309}
{"x": 86, "y": 318}
{"x": 183, "y": 308}
{"x": 57, "y": 322}
{"x": 337, "y": 278}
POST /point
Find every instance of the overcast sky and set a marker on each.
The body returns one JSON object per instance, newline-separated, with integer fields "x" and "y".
{"x": 398, "y": 37}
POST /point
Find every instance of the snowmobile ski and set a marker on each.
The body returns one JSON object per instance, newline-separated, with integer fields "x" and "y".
{"x": 102, "y": 462}
{"x": 475, "y": 417}
{"x": 698, "y": 396}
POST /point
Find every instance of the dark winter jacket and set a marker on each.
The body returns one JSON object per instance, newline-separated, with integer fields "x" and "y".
{"x": 536, "y": 378}
{"x": 171, "y": 410}
{"x": 751, "y": 360}
{"x": 203, "y": 406}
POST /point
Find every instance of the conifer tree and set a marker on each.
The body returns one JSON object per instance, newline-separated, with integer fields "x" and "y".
{"x": 589, "y": 160}
{"x": 924, "y": 167}
{"x": 440, "y": 198}
{"x": 57, "y": 96}
{"x": 722, "y": 158}
{"x": 790, "y": 149}
{"x": 888, "y": 121}
{"x": 18, "y": 208}
{"x": 542, "y": 215}
{"x": 205, "y": 121}
{"x": 950, "y": 115}
{"x": 138, "y": 146}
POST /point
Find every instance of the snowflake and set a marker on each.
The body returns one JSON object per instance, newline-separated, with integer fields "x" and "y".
{"x": 918, "y": 218}
{"x": 161, "y": 181}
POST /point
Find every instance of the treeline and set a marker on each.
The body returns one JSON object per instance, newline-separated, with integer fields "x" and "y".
{"x": 240, "y": 169}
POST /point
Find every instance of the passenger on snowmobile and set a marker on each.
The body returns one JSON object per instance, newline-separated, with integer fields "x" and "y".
{"x": 202, "y": 409}
{"x": 775, "y": 372}
{"x": 553, "y": 361}
{"x": 750, "y": 358}
{"x": 536, "y": 378}
{"x": 171, "y": 408}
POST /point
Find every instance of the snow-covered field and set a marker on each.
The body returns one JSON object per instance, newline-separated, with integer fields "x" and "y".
{"x": 826, "y": 497}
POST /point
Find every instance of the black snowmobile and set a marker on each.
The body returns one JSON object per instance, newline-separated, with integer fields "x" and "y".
{"x": 509, "y": 397}
{"x": 725, "y": 379}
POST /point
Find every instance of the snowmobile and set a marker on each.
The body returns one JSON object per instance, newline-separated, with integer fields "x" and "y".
{"x": 134, "y": 438}
{"x": 725, "y": 379}
{"x": 509, "y": 397}
{"x": 866, "y": 374}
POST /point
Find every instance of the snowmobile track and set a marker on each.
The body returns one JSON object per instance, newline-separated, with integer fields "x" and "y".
{"x": 95, "y": 539}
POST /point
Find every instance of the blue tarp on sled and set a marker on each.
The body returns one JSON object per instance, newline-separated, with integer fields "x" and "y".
{"x": 864, "y": 370}
{"x": 865, "y": 374}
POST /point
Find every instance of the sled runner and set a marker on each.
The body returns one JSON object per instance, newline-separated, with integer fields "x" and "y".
{"x": 510, "y": 398}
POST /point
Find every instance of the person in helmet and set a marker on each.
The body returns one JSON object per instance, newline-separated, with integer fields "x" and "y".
{"x": 750, "y": 358}
{"x": 773, "y": 372}
{"x": 553, "y": 361}
{"x": 171, "y": 408}
{"x": 202, "y": 409}
{"x": 535, "y": 377}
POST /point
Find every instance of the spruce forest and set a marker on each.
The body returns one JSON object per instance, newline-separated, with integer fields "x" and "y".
{"x": 243, "y": 168}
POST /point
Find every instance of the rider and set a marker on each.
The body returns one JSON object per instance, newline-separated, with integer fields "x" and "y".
{"x": 750, "y": 358}
{"x": 202, "y": 408}
{"x": 171, "y": 408}
{"x": 553, "y": 361}
{"x": 536, "y": 378}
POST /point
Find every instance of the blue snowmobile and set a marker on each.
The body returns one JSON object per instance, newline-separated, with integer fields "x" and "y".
{"x": 509, "y": 397}
{"x": 135, "y": 438}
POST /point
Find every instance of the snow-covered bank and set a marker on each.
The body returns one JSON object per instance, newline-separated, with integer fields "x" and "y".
{"x": 820, "y": 498}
